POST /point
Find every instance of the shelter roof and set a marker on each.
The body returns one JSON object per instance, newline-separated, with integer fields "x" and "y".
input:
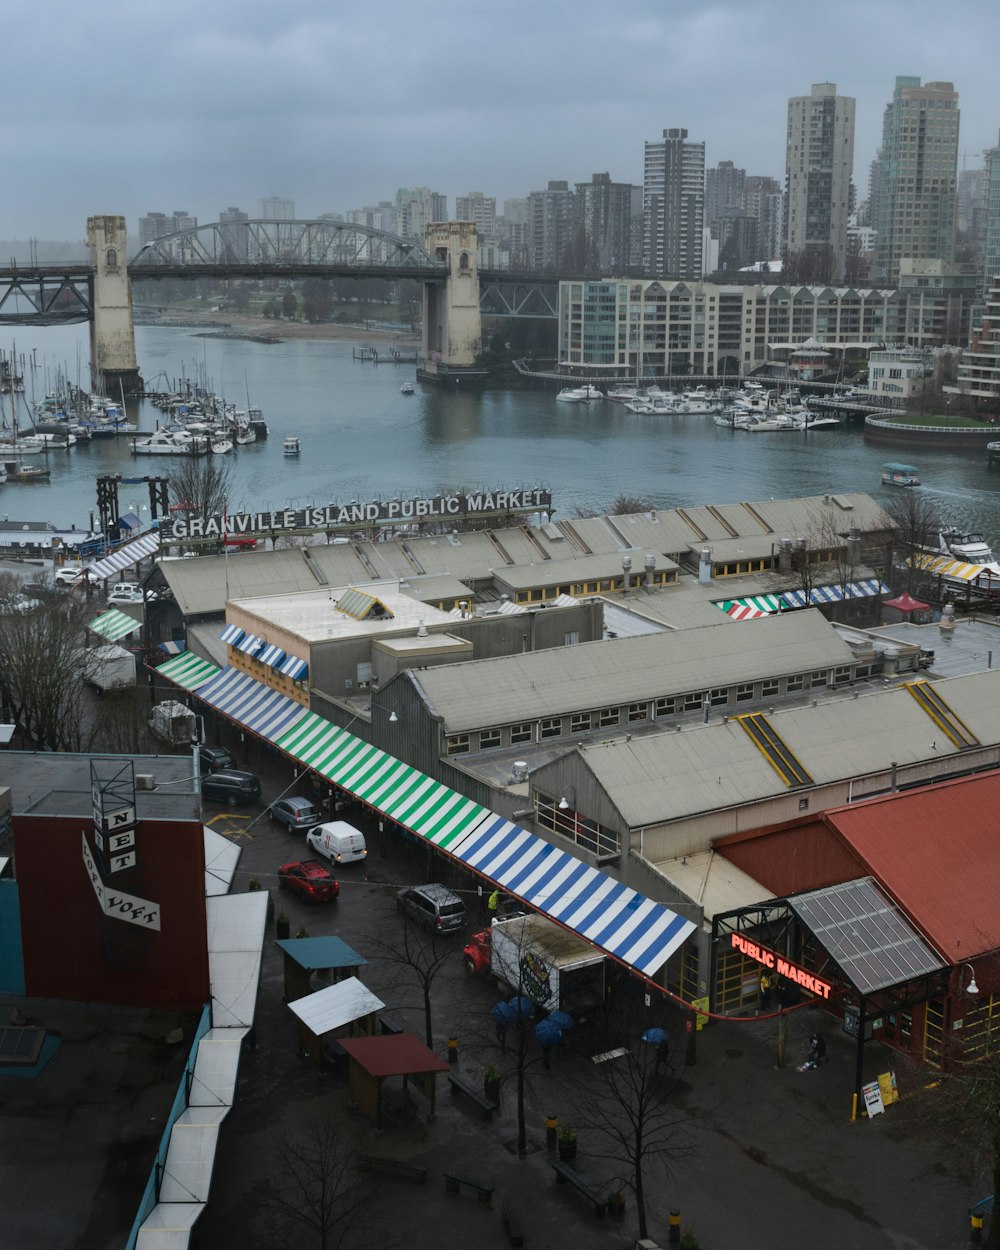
{"x": 935, "y": 850}
{"x": 321, "y": 952}
{"x": 713, "y": 882}
{"x": 393, "y": 1054}
{"x": 335, "y": 1005}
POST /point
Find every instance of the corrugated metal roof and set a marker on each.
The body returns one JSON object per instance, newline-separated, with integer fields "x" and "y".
{"x": 359, "y": 603}
{"x": 561, "y": 680}
{"x": 867, "y": 934}
{"x": 336, "y": 1005}
{"x": 936, "y": 852}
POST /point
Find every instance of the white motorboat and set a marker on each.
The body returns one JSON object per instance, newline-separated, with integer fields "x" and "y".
{"x": 592, "y": 392}
{"x": 244, "y": 436}
{"x": 815, "y": 421}
{"x": 638, "y": 404}
{"x": 30, "y": 445}
{"x": 407, "y": 388}
{"x": 967, "y": 545}
{"x": 62, "y": 440}
{"x": 220, "y": 446}
{"x": 291, "y": 446}
{"x": 573, "y": 395}
{"x": 171, "y": 443}
{"x": 623, "y": 393}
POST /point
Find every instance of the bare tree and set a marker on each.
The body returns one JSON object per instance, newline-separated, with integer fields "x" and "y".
{"x": 917, "y": 526}
{"x": 121, "y": 723}
{"x": 201, "y": 486}
{"x": 619, "y": 506}
{"x": 420, "y": 957}
{"x": 625, "y": 1107}
{"x": 312, "y": 1197}
{"x": 43, "y": 667}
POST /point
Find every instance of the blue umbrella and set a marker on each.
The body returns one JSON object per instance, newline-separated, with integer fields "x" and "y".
{"x": 561, "y": 1019}
{"x": 503, "y": 1013}
{"x": 548, "y": 1034}
{"x": 521, "y": 1005}
{"x": 655, "y": 1035}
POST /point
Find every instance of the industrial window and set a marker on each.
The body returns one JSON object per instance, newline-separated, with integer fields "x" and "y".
{"x": 520, "y": 733}
{"x": 768, "y": 688}
{"x": 664, "y": 707}
{"x": 795, "y": 683}
{"x": 579, "y": 722}
{"x": 551, "y": 727}
{"x": 608, "y": 716}
{"x": 718, "y": 697}
{"x": 458, "y": 744}
{"x": 744, "y": 692}
{"x": 489, "y": 738}
{"x": 638, "y": 711}
{"x": 694, "y": 700}
{"x": 817, "y": 679}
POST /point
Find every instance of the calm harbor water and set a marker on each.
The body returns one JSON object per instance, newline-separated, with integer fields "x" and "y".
{"x": 362, "y": 439}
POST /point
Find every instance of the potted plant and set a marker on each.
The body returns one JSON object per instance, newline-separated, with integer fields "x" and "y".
{"x": 616, "y": 1204}
{"x": 567, "y": 1144}
{"x": 491, "y": 1082}
{"x": 281, "y": 926}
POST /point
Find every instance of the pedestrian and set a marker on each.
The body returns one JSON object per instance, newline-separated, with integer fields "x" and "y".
{"x": 546, "y": 1054}
{"x": 494, "y": 902}
{"x": 662, "y": 1055}
{"x": 502, "y": 1033}
{"x": 768, "y": 980}
{"x": 817, "y": 1053}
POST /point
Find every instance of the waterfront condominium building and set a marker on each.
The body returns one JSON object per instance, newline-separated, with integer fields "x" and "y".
{"x": 918, "y": 176}
{"x": 979, "y": 371}
{"x": 274, "y": 208}
{"x": 604, "y": 210}
{"x": 819, "y": 161}
{"x": 673, "y": 207}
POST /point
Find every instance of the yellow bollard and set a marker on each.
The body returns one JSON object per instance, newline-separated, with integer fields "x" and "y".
{"x": 674, "y": 1230}
{"x": 976, "y": 1229}
{"x": 551, "y": 1131}
{"x": 453, "y": 1050}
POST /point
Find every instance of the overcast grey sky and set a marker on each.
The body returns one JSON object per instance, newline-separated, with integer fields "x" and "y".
{"x": 132, "y": 108}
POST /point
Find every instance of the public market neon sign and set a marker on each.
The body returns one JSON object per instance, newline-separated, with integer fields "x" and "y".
{"x": 782, "y": 966}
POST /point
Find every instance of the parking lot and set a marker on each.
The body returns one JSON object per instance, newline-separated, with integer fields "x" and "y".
{"x": 773, "y": 1156}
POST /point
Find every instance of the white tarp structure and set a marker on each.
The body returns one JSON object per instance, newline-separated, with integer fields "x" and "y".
{"x": 335, "y": 1006}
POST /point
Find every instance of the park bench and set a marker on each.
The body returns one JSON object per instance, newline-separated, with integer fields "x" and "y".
{"x": 462, "y": 1084}
{"x": 454, "y": 1182}
{"x": 511, "y": 1225}
{"x": 565, "y": 1173}
{"x": 394, "y": 1167}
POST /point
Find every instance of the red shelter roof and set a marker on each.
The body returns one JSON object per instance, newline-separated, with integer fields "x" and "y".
{"x": 394, "y": 1054}
{"x": 937, "y": 852}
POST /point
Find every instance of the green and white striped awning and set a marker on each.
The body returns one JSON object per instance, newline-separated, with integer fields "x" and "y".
{"x": 404, "y": 794}
{"x": 189, "y": 670}
{"x": 114, "y": 624}
{"x": 749, "y": 607}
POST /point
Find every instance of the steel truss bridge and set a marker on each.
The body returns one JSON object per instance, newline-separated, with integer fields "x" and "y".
{"x": 48, "y": 295}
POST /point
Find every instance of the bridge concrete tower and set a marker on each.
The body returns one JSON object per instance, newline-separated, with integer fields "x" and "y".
{"x": 453, "y": 329}
{"x": 113, "y": 364}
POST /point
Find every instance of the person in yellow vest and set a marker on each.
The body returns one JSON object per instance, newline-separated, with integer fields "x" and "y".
{"x": 493, "y": 902}
{"x": 768, "y": 981}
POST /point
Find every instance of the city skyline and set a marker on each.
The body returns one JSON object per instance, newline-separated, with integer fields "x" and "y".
{"x": 223, "y": 107}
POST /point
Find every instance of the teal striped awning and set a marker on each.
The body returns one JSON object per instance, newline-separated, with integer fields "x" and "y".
{"x": 404, "y": 794}
{"x": 189, "y": 670}
{"x": 114, "y": 624}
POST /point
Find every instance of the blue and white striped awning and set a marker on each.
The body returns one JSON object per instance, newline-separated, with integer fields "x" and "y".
{"x": 125, "y": 556}
{"x": 232, "y": 634}
{"x": 866, "y": 589}
{"x": 271, "y": 655}
{"x": 262, "y": 710}
{"x": 291, "y": 666}
{"x": 249, "y": 644}
{"x": 173, "y": 648}
{"x": 629, "y": 926}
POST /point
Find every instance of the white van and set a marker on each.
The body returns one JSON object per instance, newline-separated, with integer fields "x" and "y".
{"x": 339, "y": 841}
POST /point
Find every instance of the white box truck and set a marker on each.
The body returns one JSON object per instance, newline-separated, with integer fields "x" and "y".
{"x": 109, "y": 668}
{"x": 172, "y": 723}
{"x": 530, "y": 955}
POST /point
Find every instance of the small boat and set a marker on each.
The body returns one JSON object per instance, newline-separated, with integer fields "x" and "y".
{"x": 896, "y": 474}
{"x": 407, "y": 388}
{"x": 291, "y": 446}
{"x": 968, "y": 545}
{"x": 18, "y": 472}
{"x": 220, "y": 446}
{"x": 244, "y": 436}
{"x": 573, "y": 395}
{"x": 27, "y": 446}
{"x": 624, "y": 392}
{"x": 171, "y": 443}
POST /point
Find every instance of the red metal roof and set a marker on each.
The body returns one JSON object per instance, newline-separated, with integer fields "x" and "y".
{"x": 394, "y": 1054}
{"x": 937, "y": 852}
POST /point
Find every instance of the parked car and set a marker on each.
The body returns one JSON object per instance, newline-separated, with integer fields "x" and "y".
{"x": 231, "y": 786}
{"x": 213, "y": 759}
{"x": 311, "y": 879}
{"x": 18, "y": 604}
{"x": 433, "y": 906}
{"x": 125, "y": 592}
{"x": 338, "y": 840}
{"x": 68, "y": 576}
{"x": 295, "y": 812}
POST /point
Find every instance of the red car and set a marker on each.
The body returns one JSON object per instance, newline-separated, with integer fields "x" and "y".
{"x": 309, "y": 878}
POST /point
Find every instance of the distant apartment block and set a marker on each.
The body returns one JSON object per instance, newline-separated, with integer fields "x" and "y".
{"x": 274, "y": 208}
{"x": 480, "y": 209}
{"x": 918, "y": 176}
{"x": 673, "y": 206}
{"x": 416, "y": 208}
{"x": 819, "y": 159}
{"x": 979, "y": 370}
{"x": 990, "y": 269}
{"x": 604, "y": 211}
{"x": 550, "y": 225}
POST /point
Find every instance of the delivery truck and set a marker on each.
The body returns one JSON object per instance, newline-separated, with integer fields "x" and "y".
{"x": 109, "y": 668}
{"x": 172, "y": 723}
{"x": 530, "y": 955}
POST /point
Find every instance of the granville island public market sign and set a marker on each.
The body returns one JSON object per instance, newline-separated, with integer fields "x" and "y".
{"x": 379, "y": 512}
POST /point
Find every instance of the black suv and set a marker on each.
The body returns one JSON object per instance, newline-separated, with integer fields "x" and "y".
{"x": 231, "y": 786}
{"x": 214, "y": 758}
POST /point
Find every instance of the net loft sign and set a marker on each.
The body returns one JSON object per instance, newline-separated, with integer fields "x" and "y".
{"x": 782, "y": 966}
{"x": 377, "y": 512}
{"x": 112, "y": 791}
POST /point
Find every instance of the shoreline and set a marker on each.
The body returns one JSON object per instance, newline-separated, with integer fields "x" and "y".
{"x": 269, "y": 330}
